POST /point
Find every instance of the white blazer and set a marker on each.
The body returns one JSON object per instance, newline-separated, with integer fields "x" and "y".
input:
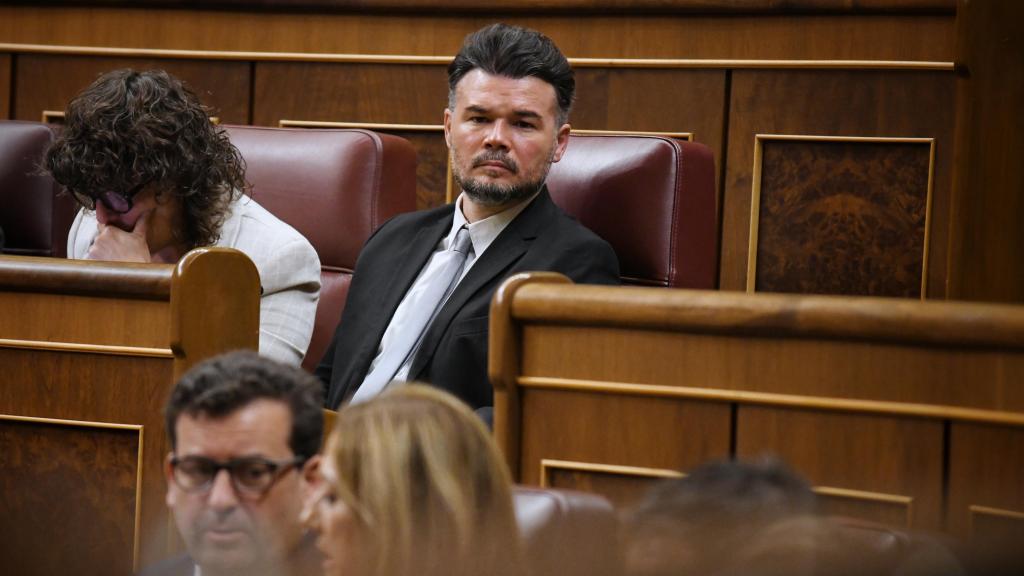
{"x": 288, "y": 266}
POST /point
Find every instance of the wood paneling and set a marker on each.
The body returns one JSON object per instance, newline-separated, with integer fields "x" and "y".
{"x": 134, "y": 329}
{"x": 878, "y": 455}
{"x": 987, "y": 235}
{"x": 857, "y": 394}
{"x": 986, "y": 467}
{"x": 841, "y": 217}
{"x": 574, "y": 6}
{"x": 48, "y": 82}
{"x": 820, "y": 366}
{"x": 622, "y": 488}
{"x": 378, "y": 93}
{"x": 575, "y": 427}
{"x": 82, "y": 479}
{"x": 657, "y": 100}
{"x": 5, "y": 86}
{"x": 834, "y": 103}
{"x": 926, "y": 37}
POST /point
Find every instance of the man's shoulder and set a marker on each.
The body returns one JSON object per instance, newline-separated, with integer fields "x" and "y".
{"x": 419, "y": 218}
{"x": 176, "y": 566}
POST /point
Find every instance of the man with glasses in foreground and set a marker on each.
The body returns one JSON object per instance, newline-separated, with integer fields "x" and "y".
{"x": 244, "y": 435}
{"x": 156, "y": 178}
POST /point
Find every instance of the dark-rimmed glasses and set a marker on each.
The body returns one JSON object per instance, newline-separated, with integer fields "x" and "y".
{"x": 251, "y": 477}
{"x": 114, "y": 201}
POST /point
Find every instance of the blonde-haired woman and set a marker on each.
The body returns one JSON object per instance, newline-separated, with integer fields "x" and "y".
{"x": 413, "y": 485}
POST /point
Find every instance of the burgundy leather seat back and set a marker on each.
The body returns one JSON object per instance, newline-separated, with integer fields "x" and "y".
{"x": 34, "y": 220}
{"x": 567, "y": 533}
{"x": 335, "y": 187}
{"x": 651, "y": 198}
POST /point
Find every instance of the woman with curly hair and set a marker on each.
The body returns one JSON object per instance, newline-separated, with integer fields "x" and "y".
{"x": 413, "y": 485}
{"x": 155, "y": 179}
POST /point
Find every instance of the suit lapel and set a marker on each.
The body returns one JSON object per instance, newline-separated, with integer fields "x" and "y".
{"x": 504, "y": 252}
{"x": 407, "y": 269}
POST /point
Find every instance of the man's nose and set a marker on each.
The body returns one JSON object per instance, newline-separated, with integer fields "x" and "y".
{"x": 222, "y": 492}
{"x": 497, "y": 136}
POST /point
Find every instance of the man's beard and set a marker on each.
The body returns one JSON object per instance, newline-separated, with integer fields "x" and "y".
{"x": 490, "y": 194}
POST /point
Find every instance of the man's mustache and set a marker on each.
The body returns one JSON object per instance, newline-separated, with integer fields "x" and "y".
{"x": 496, "y": 156}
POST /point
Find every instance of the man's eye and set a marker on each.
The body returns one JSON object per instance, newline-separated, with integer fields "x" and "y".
{"x": 525, "y": 124}
{"x": 252, "y": 471}
{"x": 478, "y": 119}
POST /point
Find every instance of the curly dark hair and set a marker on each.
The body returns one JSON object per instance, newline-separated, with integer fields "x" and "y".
{"x": 131, "y": 127}
{"x": 219, "y": 386}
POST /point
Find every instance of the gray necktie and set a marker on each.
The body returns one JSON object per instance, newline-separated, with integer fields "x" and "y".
{"x": 426, "y": 307}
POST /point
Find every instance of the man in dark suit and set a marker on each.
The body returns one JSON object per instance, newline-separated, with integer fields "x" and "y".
{"x": 244, "y": 433}
{"x": 413, "y": 315}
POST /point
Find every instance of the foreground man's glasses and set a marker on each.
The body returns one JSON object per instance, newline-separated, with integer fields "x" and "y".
{"x": 251, "y": 477}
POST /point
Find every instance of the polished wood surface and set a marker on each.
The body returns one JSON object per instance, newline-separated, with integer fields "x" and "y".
{"x": 86, "y": 375}
{"x": 841, "y": 104}
{"x": 986, "y": 235}
{"x": 49, "y": 82}
{"x": 858, "y": 394}
{"x": 924, "y": 36}
{"x": 574, "y": 6}
{"x": 5, "y": 85}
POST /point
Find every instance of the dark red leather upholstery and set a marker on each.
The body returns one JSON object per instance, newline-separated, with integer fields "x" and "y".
{"x": 567, "y": 533}
{"x": 651, "y": 198}
{"x": 335, "y": 187}
{"x": 34, "y": 220}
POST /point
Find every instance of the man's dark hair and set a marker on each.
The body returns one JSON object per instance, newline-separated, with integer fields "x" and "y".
{"x": 515, "y": 52}
{"x": 132, "y": 127}
{"x": 221, "y": 385}
{"x": 730, "y": 492}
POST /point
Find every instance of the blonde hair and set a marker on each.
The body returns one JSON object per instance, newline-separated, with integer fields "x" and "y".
{"x": 427, "y": 486}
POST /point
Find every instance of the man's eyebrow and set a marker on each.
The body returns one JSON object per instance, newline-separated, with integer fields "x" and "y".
{"x": 527, "y": 114}
{"x": 476, "y": 108}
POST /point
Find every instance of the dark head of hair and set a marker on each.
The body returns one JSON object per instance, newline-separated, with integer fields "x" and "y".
{"x": 132, "y": 127}
{"x": 221, "y": 385}
{"x": 515, "y": 52}
{"x": 727, "y": 491}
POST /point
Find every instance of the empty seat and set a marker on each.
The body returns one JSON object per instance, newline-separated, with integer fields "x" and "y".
{"x": 651, "y": 198}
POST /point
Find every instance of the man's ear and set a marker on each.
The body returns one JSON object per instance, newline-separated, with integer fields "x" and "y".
{"x": 169, "y": 477}
{"x": 311, "y": 471}
{"x": 448, "y": 127}
{"x": 561, "y": 142}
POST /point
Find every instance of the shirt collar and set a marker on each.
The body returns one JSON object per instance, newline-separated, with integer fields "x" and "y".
{"x": 483, "y": 232}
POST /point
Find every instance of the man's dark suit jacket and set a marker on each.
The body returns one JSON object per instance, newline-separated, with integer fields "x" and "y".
{"x": 453, "y": 355}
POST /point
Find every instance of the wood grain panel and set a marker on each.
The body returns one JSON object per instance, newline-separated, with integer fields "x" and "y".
{"x": 80, "y": 478}
{"x": 338, "y": 92}
{"x": 985, "y": 260}
{"x": 678, "y": 435}
{"x": 49, "y": 82}
{"x": 75, "y": 386}
{"x": 665, "y": 100}
{"x": 887, "y": 456}
{"x": 834, "y": 103}
{"x": 986, "y": 469}
{"x": 5, "y": 86}
{"x": 824, "y": 368}
{"x": 927, "y": 37}
{"x": 846, "y": 218}
{"x": 622, "y": 487}
{"x": 80, "y": 316}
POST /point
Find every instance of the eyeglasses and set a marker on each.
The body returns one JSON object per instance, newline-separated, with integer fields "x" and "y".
{"x": 251, "y": 477}
{"x": 114, "y": 201}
